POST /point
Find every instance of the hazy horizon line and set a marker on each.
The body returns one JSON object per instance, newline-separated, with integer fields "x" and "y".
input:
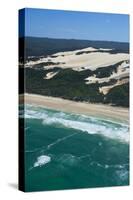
{"x": 75, "y": 39}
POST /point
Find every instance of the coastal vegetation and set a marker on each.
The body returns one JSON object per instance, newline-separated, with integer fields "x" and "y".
{"x": 46, "y": 46}
{"x": 49, "y": 76}
{"x": 70, "y": 84}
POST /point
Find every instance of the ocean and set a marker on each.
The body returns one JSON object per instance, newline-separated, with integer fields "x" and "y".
{"x": 71, "y": 151}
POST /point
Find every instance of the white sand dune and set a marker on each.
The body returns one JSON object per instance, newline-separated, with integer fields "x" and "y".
{"x": 50, "y": 75}
{"x": 106, "y": 89}
{"x": 86, "y": 60}
{"x": 121, "y": 76}
{"x": 90, "y": 61}
{"x": 122, "y": 72}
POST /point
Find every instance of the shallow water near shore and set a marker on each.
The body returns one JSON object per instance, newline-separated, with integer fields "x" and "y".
{"x": 69, "y": 151}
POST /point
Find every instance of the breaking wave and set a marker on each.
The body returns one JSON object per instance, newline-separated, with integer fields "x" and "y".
{"x": 84, "y": 123}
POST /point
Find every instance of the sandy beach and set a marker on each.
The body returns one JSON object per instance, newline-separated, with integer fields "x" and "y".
{"x": 97, "y": 110}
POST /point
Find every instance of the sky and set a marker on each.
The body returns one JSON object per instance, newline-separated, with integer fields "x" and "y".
{"x": 76, "y": 25}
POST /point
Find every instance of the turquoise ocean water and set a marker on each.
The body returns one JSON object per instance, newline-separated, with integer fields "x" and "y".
{"x": 69, "y": 151}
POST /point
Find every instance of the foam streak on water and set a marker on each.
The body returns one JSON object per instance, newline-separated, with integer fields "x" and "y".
{"x": 60, "y": 140}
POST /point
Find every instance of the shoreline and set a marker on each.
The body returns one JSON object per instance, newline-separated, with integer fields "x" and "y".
{"x": 118, "y": 114}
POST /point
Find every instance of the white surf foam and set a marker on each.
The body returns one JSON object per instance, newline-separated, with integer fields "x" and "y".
{"x": 107, "y": 130}
{"x": 90, "y": 125}
{"x": 42, "y": 160}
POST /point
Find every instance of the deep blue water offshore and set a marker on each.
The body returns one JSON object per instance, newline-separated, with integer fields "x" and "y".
{"x": 67, "y": 151}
